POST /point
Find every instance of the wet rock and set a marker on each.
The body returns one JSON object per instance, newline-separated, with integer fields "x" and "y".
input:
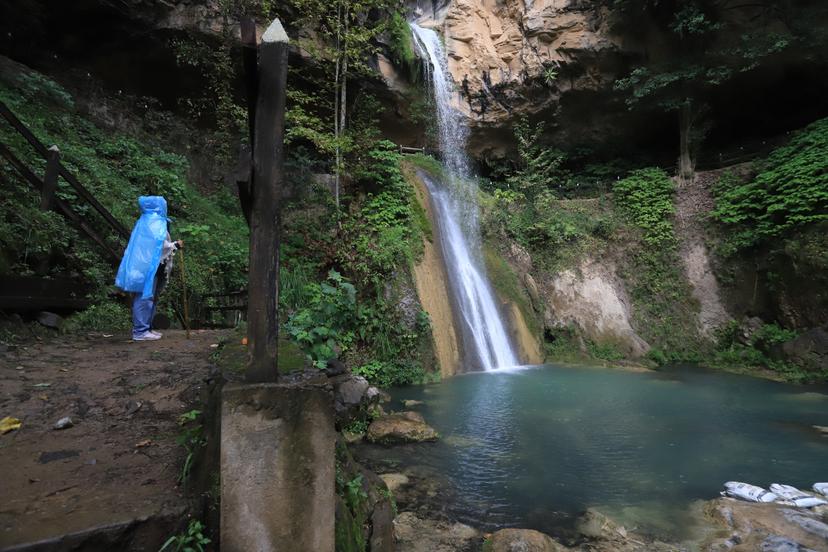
{"x": 533, "y": 291}
{"x": 351, "y": 438}
{"x": 382, "y": 527}
{"x": 808, "y": 522}
{"x": 372, "y": 394}
{"x": 427, "y": 535}
{"x": 809, "y": 350}
{"x": 400, "y": 427}
{"x": 775, "y": 543}
{"x": 754, "y": 526}
{"x": 351, "y": 396}
{"x": 394, "y": 480}
{"x": 523, "y": 540}
{"x": 335, "y": 367}
{"x": 594, "y": 524}
{"x": 64, "y": 423}
{"x": 49, "y": 319}
{"x": 351, "y": 390}
{"x": 409, "y": 403}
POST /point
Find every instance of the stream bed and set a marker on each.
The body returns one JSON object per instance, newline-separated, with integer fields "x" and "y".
{"x": 534, "y": 447}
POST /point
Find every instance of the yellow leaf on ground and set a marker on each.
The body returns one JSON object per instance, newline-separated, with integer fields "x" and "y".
{"x": 9, "y": 424}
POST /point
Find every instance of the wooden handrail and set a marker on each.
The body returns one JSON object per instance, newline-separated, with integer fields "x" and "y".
{"x": 57, "y": 204}
{"x": 69, "y": 177}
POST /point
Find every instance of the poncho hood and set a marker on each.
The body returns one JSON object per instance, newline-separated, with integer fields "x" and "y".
{"x": 153, "y": 204}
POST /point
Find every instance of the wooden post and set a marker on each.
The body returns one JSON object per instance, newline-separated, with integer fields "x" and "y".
{"x": 249, "y": 54}
{"x": 47, "y": 194}
{"x": 265, "y": 219}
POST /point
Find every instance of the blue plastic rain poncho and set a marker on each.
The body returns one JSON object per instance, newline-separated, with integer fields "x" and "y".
{"x": 143, "y": 253}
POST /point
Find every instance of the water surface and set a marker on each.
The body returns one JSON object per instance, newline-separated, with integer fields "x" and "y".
{"x": 532, "y": 447}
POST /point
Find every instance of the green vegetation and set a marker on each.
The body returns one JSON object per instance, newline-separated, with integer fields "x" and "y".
{"x": 356, "y": 313}
{"x": 556, "y": 232}
{"x": 788, "y": 193}
{"x": 426, "y": 163}
{"x": 105, "y": 316}
{"x": 702, "y": 47}
{"x": 663, "y": 305}
{"x": 388, "y": 374}
{"x": 401, "y": 44}
{"x": 508, "y": 286}
{"x": 327, "y": 321}
{"x": 116, "y": 167}
{"x": 646, "y": 198}
{"x": 735, "y": 352}
{"x": 191, "y": 540}
{"x": 352, "y": 517}
{"x": 191, "y": 438}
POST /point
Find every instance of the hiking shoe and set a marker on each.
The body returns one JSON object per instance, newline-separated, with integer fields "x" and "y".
{"x": 146, "y": 336}
{"x": 159, "y": 334}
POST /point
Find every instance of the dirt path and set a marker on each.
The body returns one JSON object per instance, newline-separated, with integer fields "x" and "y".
{"x": 118, "y": 465}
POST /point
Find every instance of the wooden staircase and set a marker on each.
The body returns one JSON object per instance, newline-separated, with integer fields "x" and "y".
{"x": 32, "y": 293}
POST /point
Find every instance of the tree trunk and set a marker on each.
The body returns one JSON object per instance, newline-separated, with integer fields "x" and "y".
{"x": 337, "y": 105}
{"x": 686, "y": 164}
{"x": 265, "y": 220}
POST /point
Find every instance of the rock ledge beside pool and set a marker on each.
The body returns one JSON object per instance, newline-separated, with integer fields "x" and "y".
{"x": 400, "y": 427}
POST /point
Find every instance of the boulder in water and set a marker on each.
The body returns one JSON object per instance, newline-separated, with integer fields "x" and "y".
{"x": 427, "y": 535}
{"x": 394, "y": 480}
{"x": 522, "y": 540}
{"x": 400, "y": 427}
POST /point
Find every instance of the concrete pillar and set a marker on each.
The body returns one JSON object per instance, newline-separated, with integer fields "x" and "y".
{"x": 277, "y": 469}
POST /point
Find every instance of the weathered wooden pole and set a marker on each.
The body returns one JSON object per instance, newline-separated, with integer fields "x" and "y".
{"x": 265, "y": 219}
{"x": 50, "y": 178}
{"x": 249, "y": 54}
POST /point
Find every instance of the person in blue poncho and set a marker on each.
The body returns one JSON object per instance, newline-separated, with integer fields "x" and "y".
{"x": 147, "y": 264}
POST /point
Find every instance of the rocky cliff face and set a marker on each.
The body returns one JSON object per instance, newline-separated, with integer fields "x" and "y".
{"x": 557, "y": 61}
{"x": 526, "y": 57}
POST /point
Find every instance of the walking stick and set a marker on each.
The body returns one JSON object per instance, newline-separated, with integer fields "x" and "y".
{"x": 184, "y": 293}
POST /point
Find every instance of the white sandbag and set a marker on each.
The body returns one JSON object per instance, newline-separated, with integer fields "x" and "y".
{"x": 800, "y": 499}
{"x": 749, "y": 492}
{"x": 821, "y": 488}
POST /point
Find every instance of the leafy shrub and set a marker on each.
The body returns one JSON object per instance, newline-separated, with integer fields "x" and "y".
{"x": 116, "y": 167}
{"x": 664, "y": 306}
{"x": 789, "y": 192}
{"x": 107, "y": 316}
{"x": 540, "y": 169}
{"x": 734, "y": 352}
{"x": 386, "y": 228}
{"x": 388, "y": 373}
{"x": 646, "y": 197}
{"x": 604, "y": 351}
{"x": 401, "y": 45}
{"x": 192, "y": 540}
{"x": 327, "y": 321}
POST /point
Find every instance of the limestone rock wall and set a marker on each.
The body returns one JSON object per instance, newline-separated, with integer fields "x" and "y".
{"x": 590, "y": 296}
{"x": 520, "y": 57}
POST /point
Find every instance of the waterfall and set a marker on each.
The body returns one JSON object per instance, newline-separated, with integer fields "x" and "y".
{"x": 455, "y": 203}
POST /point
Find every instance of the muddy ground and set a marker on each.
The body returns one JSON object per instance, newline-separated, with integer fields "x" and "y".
{"x": 111, "y": 478}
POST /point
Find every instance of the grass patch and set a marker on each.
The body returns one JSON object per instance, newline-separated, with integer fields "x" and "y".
{"x": 231, "y": 356}
{"x": 426, "y": 163}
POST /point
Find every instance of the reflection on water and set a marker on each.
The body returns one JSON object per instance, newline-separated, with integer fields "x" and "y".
{"x": 528, "y": 446}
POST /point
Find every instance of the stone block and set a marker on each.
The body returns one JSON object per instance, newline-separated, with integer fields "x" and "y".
{"x": 277, "y": 468}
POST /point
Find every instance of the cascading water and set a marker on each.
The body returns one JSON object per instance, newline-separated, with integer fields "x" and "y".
{"x": 456, "y": 210}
